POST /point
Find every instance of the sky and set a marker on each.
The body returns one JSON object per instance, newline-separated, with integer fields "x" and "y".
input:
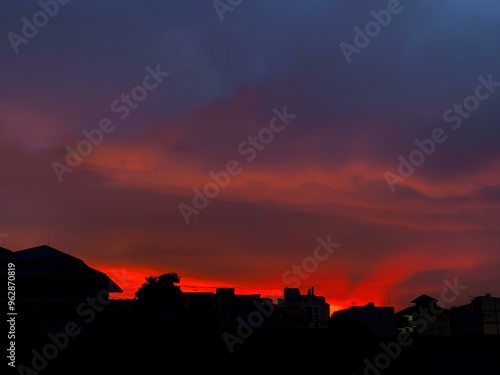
{"x": 227, "y": 140}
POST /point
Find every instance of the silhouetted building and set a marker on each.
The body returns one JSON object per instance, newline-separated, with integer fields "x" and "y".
{"x": 378, "y": 319}
{"x": 201, "y": 303}
{"x": 225, "y": 308}
{"x": 424, "y": 318}
{"x": 480, "y": 317}
{"x": 202, "y": 309}
{"x": 303, "y": 311}
{"x": 232, "y": 308}
{"x": 53, "y": 288}
{"x": 4, "y": 252}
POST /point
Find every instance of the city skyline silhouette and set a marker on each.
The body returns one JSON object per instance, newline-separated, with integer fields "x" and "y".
{"x": 251, "y": 185}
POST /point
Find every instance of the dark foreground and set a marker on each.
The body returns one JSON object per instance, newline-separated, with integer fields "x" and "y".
{"x": 145, "y": 349}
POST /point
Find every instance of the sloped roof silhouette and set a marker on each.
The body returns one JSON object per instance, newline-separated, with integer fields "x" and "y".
{"x": 424, "y": 300}
{"x": 4, "y": 251}
{"x": 42, "y": 253}
{"x": 45, "y": 261}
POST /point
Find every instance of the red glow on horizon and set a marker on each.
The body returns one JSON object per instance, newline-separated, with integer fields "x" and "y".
{"x": 130, "y": 278}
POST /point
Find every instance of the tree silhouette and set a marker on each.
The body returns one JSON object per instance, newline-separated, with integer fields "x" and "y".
{"x": 160, "y": 292}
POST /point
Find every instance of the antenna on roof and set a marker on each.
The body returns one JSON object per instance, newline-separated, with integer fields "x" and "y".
{"x": 48, "y": 241}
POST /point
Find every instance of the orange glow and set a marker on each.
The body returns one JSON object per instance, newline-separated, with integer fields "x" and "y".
{"x": 130, "y": 278}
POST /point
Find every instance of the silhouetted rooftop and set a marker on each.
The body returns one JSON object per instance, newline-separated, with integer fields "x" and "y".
{"x": 45, "y": 261}
{"x": 424, "y": 300}
{"x": 4, "y": 252}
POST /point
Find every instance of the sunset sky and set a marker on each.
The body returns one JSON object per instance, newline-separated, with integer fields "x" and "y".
{"x": 207, "y": 77}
